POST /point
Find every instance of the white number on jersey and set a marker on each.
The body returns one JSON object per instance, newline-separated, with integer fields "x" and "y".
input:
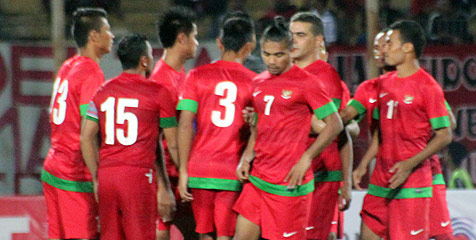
{"x": 269, "y": 101}
{"x": 59, "y": 112}
{"x": 227, "y": 102}
{"x": 109, "y": 107}
{"x": 391, "y": 106}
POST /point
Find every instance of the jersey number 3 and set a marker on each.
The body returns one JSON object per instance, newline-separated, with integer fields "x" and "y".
{"x": 109, "y": 106}
{"x": 227, "y": 101}
{"x": 60, "y": 89}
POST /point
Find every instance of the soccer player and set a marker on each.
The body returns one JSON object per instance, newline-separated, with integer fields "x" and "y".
{"x": 440, "y": 226}
{"x": 215, "y": 94}
{"x": 66, "y": 180}
{"x": 330, "y": 169}
{"x": 276, "y": 203}
{"x": 123, "y": 165}
{"x": 177, "y": 32}
{"x": 410, "y": 109}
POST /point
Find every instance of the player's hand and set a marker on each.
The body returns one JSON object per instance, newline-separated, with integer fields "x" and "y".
{"x": 95, "y": 189}
{"x": 249, "y": 115}
{"x": 345, "y": 196}
{"x": 357, "y": 176}
{"x": 297, "y": 172}
{"x": 400, "y": 171}
{"x": 166, "y": 204}
{"x": 243, "y": 170}
{"x": 183, "y": 188}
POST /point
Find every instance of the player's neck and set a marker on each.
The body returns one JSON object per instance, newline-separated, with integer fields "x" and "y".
{"x": 138, "y": 71}
{"x": 174, "y": 59}
{"x": 91, "y": 52}
{"x": 408, "y": 68}
{"x": 307, "y": 60}
{"x": 231, "y": 56}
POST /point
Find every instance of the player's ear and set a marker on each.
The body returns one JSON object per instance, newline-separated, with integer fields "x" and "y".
{"x": 220, "y": 45}
{"x": 319, "y": 40}
{"x": 182, "y": 38}
{"x": 144, "y": 61}
{"x": 93, "y": 36}
{"x": 408, "y": 47}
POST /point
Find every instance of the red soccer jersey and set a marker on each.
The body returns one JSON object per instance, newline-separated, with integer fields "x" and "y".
{"x": 172, "y": 80}
{"x": 129, "y": 120}
{"x": 217, "y": 93}
{"x": 409, "y": 108}
{"x": 283, "y": 104}
{"x": 335, "y": 88}
{"x": 76, "y": 83}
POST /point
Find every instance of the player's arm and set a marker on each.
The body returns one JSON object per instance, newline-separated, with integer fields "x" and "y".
{"x": 90, "y": 148}
{"x": 347, "y": 157}
{"x": 185, "y": 138}
{"x": 243, "y": 169}
{"x": 361, "y": 170}
{"x": 348, "y": 114}
{"x": 165, "y": 196}
{"x": 329, "y": 132}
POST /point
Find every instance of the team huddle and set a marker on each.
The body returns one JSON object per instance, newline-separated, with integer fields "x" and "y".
{"x": 225, "y": 153}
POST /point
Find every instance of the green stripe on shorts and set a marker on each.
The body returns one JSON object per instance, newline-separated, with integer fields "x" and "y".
{"x": 400, "y": 193}
{"x": 72, "y": 186}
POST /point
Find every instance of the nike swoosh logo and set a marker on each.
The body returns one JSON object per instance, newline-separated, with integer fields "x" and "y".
{"x": 382, "y": 95}
{"x": 288, "y": 234}
{"x": 371, "y": 100}
{"x": 445, "y": 224}
{"x": 334, "y": 222}
{"x": 413, "y": 232}
{"x": 309, "y": 228}
{"x": 256, "y": 93}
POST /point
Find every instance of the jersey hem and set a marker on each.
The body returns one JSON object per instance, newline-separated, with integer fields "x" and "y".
{"x": 214, "y": 183}
{"x": 67, "y": 185}
{"x": 281, "y": 190}
{"x": 400, "y": 193}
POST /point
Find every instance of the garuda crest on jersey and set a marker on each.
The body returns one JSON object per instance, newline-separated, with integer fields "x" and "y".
{"x": 408, "y": 99}
{"x": 286, "y": 94}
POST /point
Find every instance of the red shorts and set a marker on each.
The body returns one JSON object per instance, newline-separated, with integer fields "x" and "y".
{"x": 70, "y": 214}
{"x": 279, "y": 217}
{"x": 213, "y": 211}
{"x": 338, "y": 223}
{"x": 440, "y": 221}
{"x": 323, "y": 207}
{"x": 397, "y": 218}
{"x": 127, "y": 202}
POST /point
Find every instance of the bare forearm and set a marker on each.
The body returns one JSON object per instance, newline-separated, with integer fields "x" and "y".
{"x": 348, "y": 114}
{"x": 91, "y": 155}
{"x": 331, "y": 130}
{"x": 347, "y": 156}
{"x": 372, "y": 151}
{"x": 185, "y": 135}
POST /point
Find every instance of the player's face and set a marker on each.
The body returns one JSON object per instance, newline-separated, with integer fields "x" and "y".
{"x": 304, "y": 42}
{"x": 276, "y": 56}
{"x": 393, "y": 50}
{"x": 379, "y": 45}
{"x": 192, "y": 42}
{"x": 150, "y": 59}
{"x": 106, "y": 36}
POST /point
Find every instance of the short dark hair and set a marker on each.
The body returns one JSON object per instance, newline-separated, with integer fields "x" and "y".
{"x": 411, "y": 32}
{"x": 84, "y": 21}
{"x": 278, "y": 31}
{"x": 175, "y": 21}
{"x": 130, "y": 49}
{"x": 308, "y": 17}
{"x": 236, "y": 32}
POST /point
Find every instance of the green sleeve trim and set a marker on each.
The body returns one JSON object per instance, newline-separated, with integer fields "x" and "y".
{"x": 92, "y": 119}
{"x": 400, "y": 193}
{"x": 281, "y": 190}
{"x": 328, "y": 176}
{"x": 168, "y": 122}
{"x": 337, "y": 102}
{"x": 325, "y": 110}
{"x": 72, "y": 186}
{"x": 188, "y": 105}
{"x": 358, "y": 106}
{"x": 376, "y": 114}
{"x": 440, "y": 122}
{"x": 214, "y": 183}
{"x": 447, "y": 106}
{"x": 463, "y": 175}
{"x": 83, "y": 109}
{"x": 438, "y": 179}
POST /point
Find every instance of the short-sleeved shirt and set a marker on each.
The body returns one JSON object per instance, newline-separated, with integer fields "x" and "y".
{"x": 166, "y": 76}
{"x": 284, "y": 105}
{"x": 409, "y": 109}
{"x": 129, "y": 119}
{"x": 217, "y": 93}
{"x": 365, "y": 98}
{"x": 339, "y": 93}
{"x": 76, "y": 83}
